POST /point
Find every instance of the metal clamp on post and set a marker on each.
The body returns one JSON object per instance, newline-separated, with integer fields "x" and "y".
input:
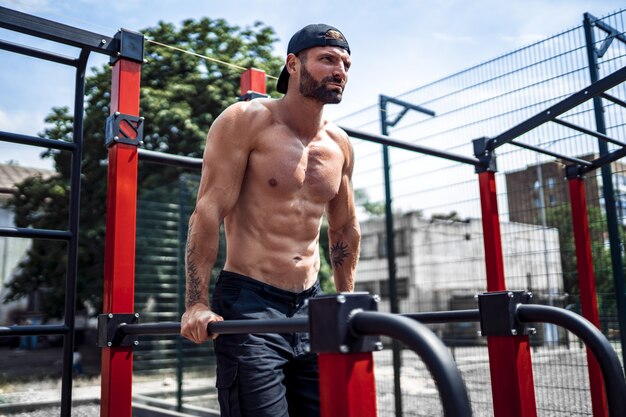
{"x": 251, "y": 95}
{"x": 108, "y": 330}
{"x": 329, "y": 322}
{"x": 485, "y": 155}
{"x": 124, "y": 128}
{"x": 498, "y": 316}
{"x": 129, "y": 45}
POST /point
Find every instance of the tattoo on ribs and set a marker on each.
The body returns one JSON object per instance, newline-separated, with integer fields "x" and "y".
{"x": 339, "y": 252}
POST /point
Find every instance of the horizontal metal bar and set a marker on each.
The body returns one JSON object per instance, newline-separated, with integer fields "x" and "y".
{"x": 554, "y": 154}
{"x": 36, "y": 141}
{"x": 170, "y": 159}
{"x": 445, "y": 316}
{"x": 24, "y": 232}
{"x": 34, "y": 330}
{"x": 407, "y": 105}
{"x": 57, "y": 32}
{"x": 614, "y": 99}
{"x": 386, "y": 140}
{"x": 588, "y": 132}
{"x": 222, "y": 327}
{"x": 608, "y": 360}
{"x": 38, "y": 53}
{"x": 559, "y": 108}
{"x": 604, "y": 160}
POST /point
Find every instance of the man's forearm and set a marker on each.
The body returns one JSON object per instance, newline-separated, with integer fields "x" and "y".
{"x": 200, "y": 257}
{"x": 344, "y": 254}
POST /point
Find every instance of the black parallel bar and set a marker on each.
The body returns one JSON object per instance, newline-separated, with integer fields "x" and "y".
{"x": 37, "y": 53}
{"x": 72, "y": 247}
{"x": 296, "y": 325}
{"x": 58, "y": 32}
{"x": 559, "y": 108}
{"x": 604, "y": 160}
{"x": 384, "y": 140}
{"x": 28, "y": 233}
{"x": 455, "y": 316}
{"x": 613, "y": 99}
{"x": 589, "y": 132}
{"x": 45, "y": 329}
{"x": 169, "y": 159}
{"x": 429, "y": 348}
{"x": 554, "y": 154}
{"x": 608, "y": 360}
{"x": 35, "y": 141}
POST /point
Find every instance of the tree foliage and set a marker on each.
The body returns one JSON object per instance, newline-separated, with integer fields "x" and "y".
{"x": 560, "y": 217}
{"x": 181, "y": 95}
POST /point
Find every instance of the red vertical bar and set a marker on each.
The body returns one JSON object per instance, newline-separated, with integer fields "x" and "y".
{"x": 252, "y": 80}
{"x": 347, "y": 385}
{"x": 512, "y": 385}
{"x": 119, "y": 267}
{"x": 587, "y": 284}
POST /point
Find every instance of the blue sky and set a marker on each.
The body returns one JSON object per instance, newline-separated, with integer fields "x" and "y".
{"x": 396, "y": 45}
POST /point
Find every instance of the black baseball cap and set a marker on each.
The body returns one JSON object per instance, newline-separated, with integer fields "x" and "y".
{"x": 308, "y": 37}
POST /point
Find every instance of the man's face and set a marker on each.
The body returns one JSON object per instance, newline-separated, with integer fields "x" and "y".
{"x": 324, "y": 73}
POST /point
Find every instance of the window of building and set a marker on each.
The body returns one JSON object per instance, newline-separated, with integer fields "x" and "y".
{"x": 551, "y": 182}
{"x": 369, "y": 246}
{"x": 552, "y": 199}
{"x": 400, "y": 245}
{"x": 402, "y": 288}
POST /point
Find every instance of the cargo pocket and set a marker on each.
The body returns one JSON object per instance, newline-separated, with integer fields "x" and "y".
{"x": 228, "y": 390}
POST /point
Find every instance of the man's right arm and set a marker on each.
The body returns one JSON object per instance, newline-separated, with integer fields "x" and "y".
{"x": 223, "y": 168}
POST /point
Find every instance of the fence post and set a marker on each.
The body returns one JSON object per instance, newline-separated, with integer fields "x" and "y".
{"x": 613, "y": 224}
{"x": 510, "y": 365}
{"x": 587, "y": 285}
{"x": 119, "y": 268}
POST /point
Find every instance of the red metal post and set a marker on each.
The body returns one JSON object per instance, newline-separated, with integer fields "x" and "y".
{"x": 253, "y": 80}
{"x": 347, "y": 385}
{"x": 119, "y": 269}
{"x": 512, "y": 385}
{"x": 586, "y": 282}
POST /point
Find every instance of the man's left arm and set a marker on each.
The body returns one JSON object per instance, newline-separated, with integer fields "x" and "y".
{"x": 344, "y": 233}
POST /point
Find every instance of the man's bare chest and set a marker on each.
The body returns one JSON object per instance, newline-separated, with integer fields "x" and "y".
{"x": 289, "y": 167}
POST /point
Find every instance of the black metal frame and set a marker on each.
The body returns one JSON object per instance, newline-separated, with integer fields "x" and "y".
{"x": 87, "y": 42}
{"x": 407, "y": 329}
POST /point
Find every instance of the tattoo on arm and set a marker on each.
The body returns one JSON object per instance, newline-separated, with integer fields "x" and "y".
{"x": 339, "y": 252}
{"x": 194, "y": 294}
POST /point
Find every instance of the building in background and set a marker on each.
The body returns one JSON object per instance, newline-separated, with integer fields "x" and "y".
{"x": 12, "y": 250}
{"x": 441, "y": 264}
{"x": 538, "y": 187}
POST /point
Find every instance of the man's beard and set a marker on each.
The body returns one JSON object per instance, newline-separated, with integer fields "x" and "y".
{"x": 319, "y": 90}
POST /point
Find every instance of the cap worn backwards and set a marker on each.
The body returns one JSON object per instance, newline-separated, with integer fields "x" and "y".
{"x": 309, "y": 37}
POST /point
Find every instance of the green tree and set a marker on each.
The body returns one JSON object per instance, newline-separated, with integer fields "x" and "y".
{"x": 181, "y": 95}
{"x": 560, "y": 217}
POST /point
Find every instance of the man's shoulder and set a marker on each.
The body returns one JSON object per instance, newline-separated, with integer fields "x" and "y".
{"x": 249, "y": 110}
{"x": 337, "y": 134}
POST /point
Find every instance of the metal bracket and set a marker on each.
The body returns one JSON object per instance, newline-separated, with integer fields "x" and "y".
{"x": 329, "y": 319}
{"x": 573, "y": 171}
{"x": 130, "y": 46}
{"x": 124, "y": 128}
{"x": 251, "y": 95}
{"x": 108, "y": 334}
{"x": 486, "y": 156}
{"x": 498, "y": 313}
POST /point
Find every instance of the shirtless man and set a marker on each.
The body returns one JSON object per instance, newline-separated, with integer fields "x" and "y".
{"x": 271, "y": 169}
